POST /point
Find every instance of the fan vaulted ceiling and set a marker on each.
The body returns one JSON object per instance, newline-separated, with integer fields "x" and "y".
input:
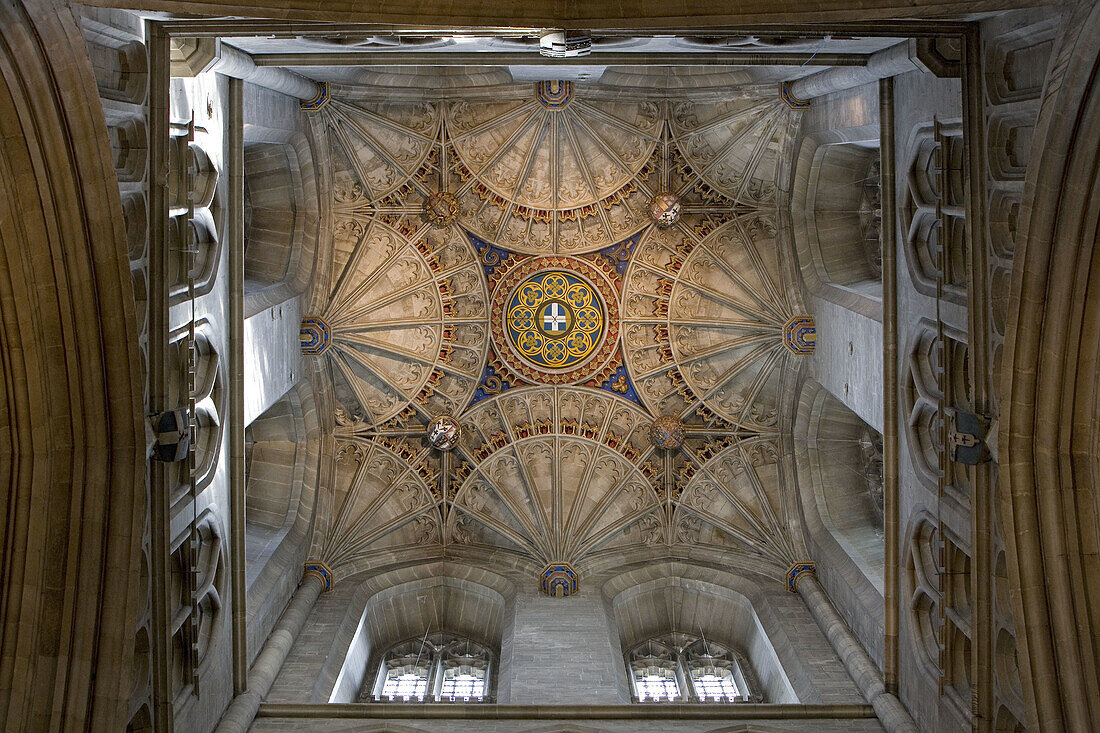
{"x": 471, "y": 242}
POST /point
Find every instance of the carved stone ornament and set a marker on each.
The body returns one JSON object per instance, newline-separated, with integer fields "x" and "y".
{"x": 800, "y": 334}
{"x": 441, "y": 209}
{"x": 664, "y": 209}
{"x": 444, "y": 432}
{"x": 314, "y": 336}
{"x": 321, "y": 571}
{"x": 667, "y": 432}
{"x": 559, "y": 580}
{"x": 795, "y": 573}
{"x": 555, "y": 94}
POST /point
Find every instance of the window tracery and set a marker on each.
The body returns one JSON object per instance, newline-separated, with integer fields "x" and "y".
{"x": 437, "y": 667}
{"x": 682, "y": 667}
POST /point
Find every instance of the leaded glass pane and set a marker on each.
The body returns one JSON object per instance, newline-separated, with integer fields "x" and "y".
{"x": 713, "y": 683}
{"x": 406, "y": 684}
{"x": 459, "y": 683}
{"x": 656, "y": 684}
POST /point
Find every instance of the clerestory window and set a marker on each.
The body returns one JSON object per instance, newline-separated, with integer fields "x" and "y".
{"x": 682, "y": 667}
{"x": 435, "y": 668}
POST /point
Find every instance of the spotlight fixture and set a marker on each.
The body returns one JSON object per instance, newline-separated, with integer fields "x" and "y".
{"x": 559, "y": 44}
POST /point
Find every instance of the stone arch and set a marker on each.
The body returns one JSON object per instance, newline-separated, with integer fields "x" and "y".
{"x": 838, "y": 459}
{"x": 71, "y": 401}
{"x": 669, "y": 596}
{"x": 281, "y": 216}
{"x": 1050, "y": 398}
{"x": 282, "y": 474}
{"x": 122, "y": 70}
{"x": 836, "y": 227}
{"x": 274, "y": 473}
{"x": 390, "y": 607}
{"x": 844, "y": 472}
{"x": 272, "y": 188}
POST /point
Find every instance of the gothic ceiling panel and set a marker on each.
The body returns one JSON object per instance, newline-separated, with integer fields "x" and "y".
{"x": 704, "y": 319}
{"x": 556, "y": 325}
{"x": 554, "y": 171}
{"x": 385, "y": 144}
{"x": 384, "y": 497}
{"x": 407, "y": 319}
{"x": 557, "y": 470}
{"x": 737, "y": 499}
{"x": 734, "y": 145}
{"x": 558, "y": 474}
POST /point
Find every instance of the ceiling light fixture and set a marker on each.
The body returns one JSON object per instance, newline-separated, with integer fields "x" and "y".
{"x": 560, "y": 44}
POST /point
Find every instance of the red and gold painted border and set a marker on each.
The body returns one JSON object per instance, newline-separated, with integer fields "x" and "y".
{"x": 608, "y": 295}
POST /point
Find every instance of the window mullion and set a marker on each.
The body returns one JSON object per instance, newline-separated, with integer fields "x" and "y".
{"x": 437, "y": 677}
{"x": 683, "y": 679}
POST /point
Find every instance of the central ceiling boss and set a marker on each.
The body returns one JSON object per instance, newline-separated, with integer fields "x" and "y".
{"x": 557, "y": 317}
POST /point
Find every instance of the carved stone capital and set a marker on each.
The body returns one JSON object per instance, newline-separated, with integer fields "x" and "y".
{"x": 321, "y": 571}
{"x": 797, "y": 571}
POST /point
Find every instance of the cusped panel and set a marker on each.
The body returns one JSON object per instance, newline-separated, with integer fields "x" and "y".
{"x": 408, "y": 321}
{"x": 385, "y": 144}
{"x": 555, "y": 474}
{"x": 553, "y": 171}
{"x": 736, "y": 500}
{"x": 735, "y": 145}
{"x": 703, "y": 321}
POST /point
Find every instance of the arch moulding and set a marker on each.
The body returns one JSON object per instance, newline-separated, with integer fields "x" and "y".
{"x": 1051, "y": 397}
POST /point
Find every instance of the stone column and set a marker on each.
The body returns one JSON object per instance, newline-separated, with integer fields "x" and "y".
{"x": 241, "y": 712}
{"x": 888, "y": 62}
{"x": 891, "y": 713}
{"x": 193, "y": 56}
{"x": 237, "y": 486}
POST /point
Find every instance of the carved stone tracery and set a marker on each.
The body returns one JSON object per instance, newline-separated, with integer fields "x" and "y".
{"x": 692, "y": 318}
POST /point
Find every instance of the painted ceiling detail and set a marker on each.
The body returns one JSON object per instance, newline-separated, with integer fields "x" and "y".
{"x": 704, "y": 320}
{"x": 558, "y": 474}
{"x": 555, "y": 320}
{"x": 541, "y": 180}
{"x": 554, "y": 473}
{"x": 521, "y": 291}
{"x": 407, "y": 320}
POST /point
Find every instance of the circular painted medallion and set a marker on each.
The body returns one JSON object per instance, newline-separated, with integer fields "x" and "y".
{"x": 556, "y": 319}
